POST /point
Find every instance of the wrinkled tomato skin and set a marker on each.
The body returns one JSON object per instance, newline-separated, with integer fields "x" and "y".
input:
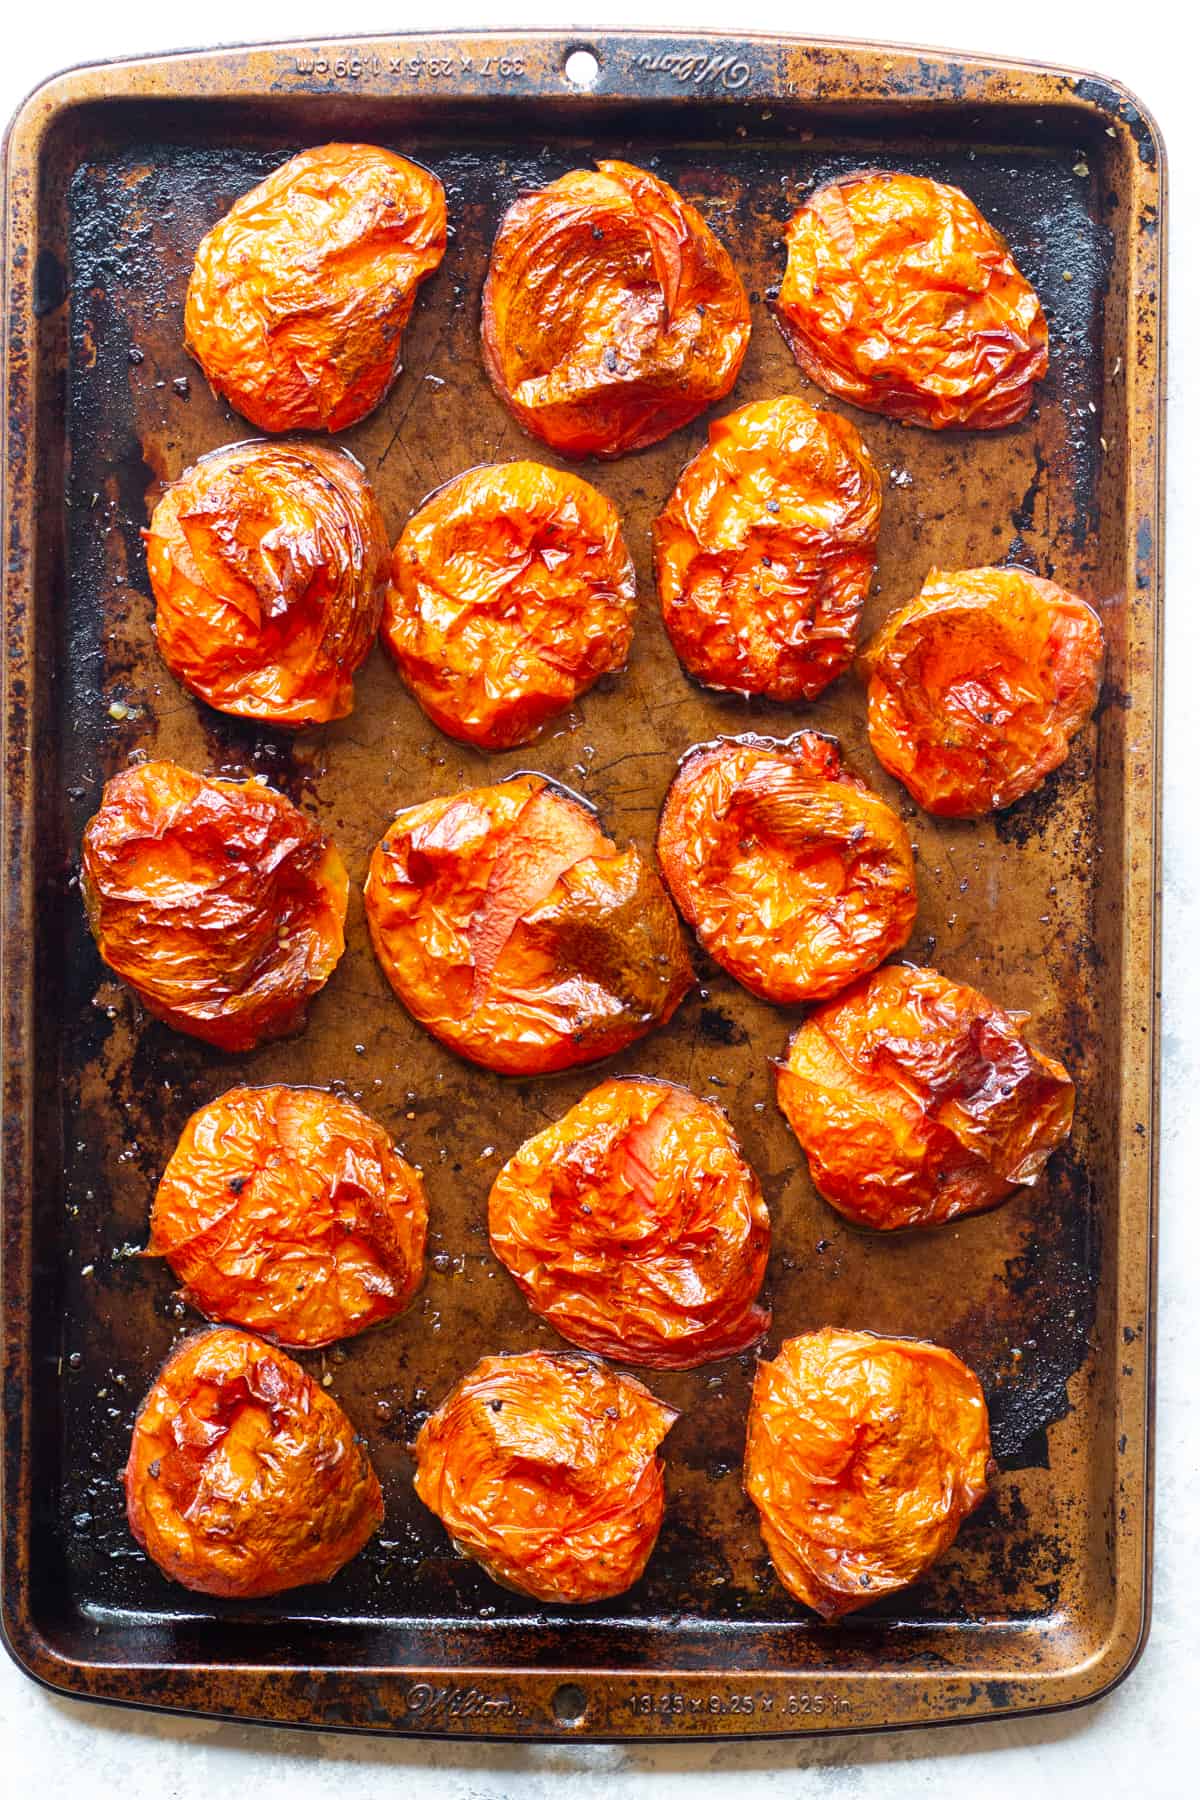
{"x": 543, "y": 1469}
{"x": 795, "y": 876}
{"x": 765, "y": 551}
{"x": 515, "y": 931}
{"x": 901, "y": 298}
{"x": 300, "y": 294}
{"x": 636, "y": 1228}
{"x": 916, "y": 1100}
{"x": 287, "y": 1211}
{"x": 511, "y": 593}
{"x": 611, "y": 314}
{"x": 244, "y": 1477}
{"x": 269, "y": 567}
{"x": 219, "y": 902}
{"x": 976, "y": 688}
{"x": 863, "y": 1456}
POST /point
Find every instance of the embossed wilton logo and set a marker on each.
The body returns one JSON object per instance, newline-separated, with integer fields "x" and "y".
{"x": 730, "y": 71}
{"x": 423, "y": 1701}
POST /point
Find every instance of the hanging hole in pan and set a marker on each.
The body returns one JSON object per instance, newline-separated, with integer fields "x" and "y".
{"x": 582, "y": 67}
{"x": 570, "y": 1704}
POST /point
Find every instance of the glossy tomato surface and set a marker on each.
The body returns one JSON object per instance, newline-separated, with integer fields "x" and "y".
{"x": 611, "y": 314}
{"x": 900, "y": 297}
{"x": 917, "y": 1100}
{"x": 300, "y": 294}
{"x": 794, "y": 875}
{"x": 863, "y": 1456}
{"x": 976, "y": 688}
{"x": 244, "y": 1477}
{"x": 511, "y": 593}
{"x": 636, "y": 1228}
{"x": 219, "y": 902}
{"x": 543, "y": 1469}
{"x": 517, "y": 933}
{"x": 764, "y": 553}
{"x": 269, "y": 567}
{"x": 287, "y": 1210}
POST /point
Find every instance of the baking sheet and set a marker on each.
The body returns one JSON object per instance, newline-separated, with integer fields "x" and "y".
{"x": 112, "y": 178}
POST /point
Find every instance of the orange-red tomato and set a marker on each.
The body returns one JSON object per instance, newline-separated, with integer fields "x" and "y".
{"x": 543, "y": 1469}
{"x": 244, "y": 1477}
{"x": 976, "y": 687}
{"x": 517, "y": 933}
{"x": 793, "y": 874}
{"x": 512, "y": 592}
{"x": 611, "y": 314}
{"x": 635, "y": 1227}
{"x": 916, "y": 1100}
{"x": 287, "y": 1210}
{"x": 269, "y": 566}
{"x": 219, "y": 902}
{"x": 765, "y": 551}
{"x": 900, "y": 297}
{"x": 300, "y": 294}
{"x": 864, "y": 1455}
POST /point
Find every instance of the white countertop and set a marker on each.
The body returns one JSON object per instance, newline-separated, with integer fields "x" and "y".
{"x": 1140, "y": 1739}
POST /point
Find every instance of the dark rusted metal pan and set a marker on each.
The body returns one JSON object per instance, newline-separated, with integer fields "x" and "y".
{"x": 112, "y": 176}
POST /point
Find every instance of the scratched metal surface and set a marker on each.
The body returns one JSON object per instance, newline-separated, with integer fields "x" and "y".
{"x": 1015, "y": 905}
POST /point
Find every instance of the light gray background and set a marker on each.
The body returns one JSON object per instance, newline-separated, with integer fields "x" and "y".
{"x": 1140, "y": 1740}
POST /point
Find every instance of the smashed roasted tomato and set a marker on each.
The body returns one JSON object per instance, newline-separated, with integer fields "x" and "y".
{"x": 611, "y": 314}
{"x": 286, "y": 1210}
{"x": 244, "y": 1477}
{"x": 269, "y": 566}
{"x": 976, "y": 687}
{"x": 765, "y": 551}
{"x": 916, "y": 1100}
{"x": 517, "y": 933}
{"x": 793, "y": 874}
{"x": 543, "y": 1469}
{"x": 900, "y": 297}
{"x": 219, "y": 902}
{"x": 635, "y": 1227}
{"x": 512, "y": 592}
{"x": 864, "y": 1455}
{"x": 299, "y": 295}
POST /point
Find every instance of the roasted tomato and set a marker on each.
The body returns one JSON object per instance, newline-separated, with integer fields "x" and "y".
{"x": 900, "y": 297}
{"x": 864, "y": 1455}
{"x": 611, "y": 314}
{"x": 795, "y": 877}
{"x": 635, "y": 1227}
{"x": 219, "y": 902}
{"x": 512, "y": 592}
{"x": 517, "y": 933}
{"x": 976, "y": 687}
{"x": 269, "y": 567}
{"x": 301, "y": 292}
{"x": 286, "y": 1210}
{"x": 765, "y": 551}
{"x": 543, "y": 1469}
{"x": 916, "y": 1100}
{"x": 244, "y": 1477}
